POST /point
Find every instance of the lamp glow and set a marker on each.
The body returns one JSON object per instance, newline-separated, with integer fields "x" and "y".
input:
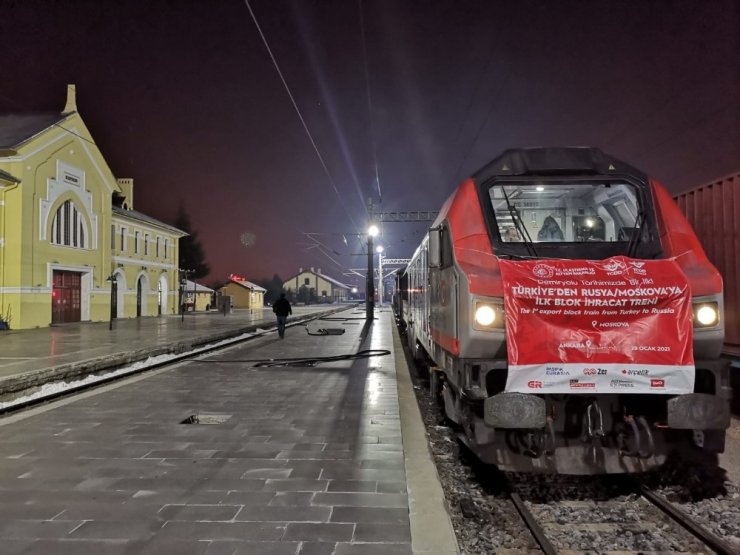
{"x": 707, "y": 315}
{"x": 485, "y": 315}
{"x": 372, "y": 231}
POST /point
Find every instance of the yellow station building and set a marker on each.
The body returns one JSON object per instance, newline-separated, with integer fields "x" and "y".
{"x": 244, "y": 293}
{"x": 72, "y": 247}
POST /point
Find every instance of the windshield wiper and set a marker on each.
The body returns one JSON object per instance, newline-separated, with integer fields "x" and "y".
{"x": 523, "y": 233}
{"x": 635, "y": 235}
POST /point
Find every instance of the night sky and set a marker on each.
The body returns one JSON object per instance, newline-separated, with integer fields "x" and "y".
{"x": 184, "y": 97}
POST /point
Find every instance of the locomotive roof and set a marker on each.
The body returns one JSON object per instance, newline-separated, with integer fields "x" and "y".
{"x": 555, "y": 161}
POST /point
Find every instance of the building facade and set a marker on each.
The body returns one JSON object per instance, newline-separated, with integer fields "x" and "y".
{"x": 313, "y": 286}
{"x": 197, "y": 297}
{"x": 72, "y": 248}
{"x": 244, "y": 293}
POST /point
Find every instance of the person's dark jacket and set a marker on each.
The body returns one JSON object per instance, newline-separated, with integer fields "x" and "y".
{"x": 281, "y": 307}
{"x": 550, "y": 230}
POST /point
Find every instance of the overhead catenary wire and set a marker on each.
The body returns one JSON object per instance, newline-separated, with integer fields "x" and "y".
{"x": 298, "y": 112}
{"x": 473, "y": 93}
{"x": 369, "y": 99}
{"x": 503, "y": 82}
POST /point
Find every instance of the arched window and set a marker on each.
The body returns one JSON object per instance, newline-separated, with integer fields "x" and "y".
{"x": 68, "y": 226}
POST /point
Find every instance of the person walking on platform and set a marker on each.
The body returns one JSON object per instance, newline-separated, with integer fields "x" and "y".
{"x": 282, "y": 308}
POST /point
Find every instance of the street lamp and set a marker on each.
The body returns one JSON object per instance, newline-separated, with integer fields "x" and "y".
{"x": 113, "y": 299}
{"x": 183, "y": 292}
{"x": 379, "y": 250}
{"x": 370, "y": 284}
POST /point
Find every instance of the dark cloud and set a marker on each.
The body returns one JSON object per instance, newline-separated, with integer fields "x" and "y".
{"x": 183, "y": 97}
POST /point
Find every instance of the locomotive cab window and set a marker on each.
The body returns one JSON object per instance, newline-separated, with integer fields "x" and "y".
{"x": 565, "y": 212}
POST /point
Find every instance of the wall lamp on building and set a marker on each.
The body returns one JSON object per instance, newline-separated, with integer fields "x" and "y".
{"x": 113, "y": 278}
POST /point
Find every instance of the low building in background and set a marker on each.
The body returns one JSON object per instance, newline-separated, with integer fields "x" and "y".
{"x": 197, "y": 297}
{"x": 244, "y": 293}
{"x": 311, "y": 286}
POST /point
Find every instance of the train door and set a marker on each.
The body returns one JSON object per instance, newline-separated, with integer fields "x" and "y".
{"x": 425, "y": 301}
{"x": 66, "y": 297}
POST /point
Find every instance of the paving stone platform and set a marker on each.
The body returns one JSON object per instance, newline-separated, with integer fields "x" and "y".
{"x": 302, "y": 460}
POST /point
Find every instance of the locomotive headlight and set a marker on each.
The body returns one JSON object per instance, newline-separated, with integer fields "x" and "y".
{"x": 485, "y": 315}
{"x": 706, "y": 315}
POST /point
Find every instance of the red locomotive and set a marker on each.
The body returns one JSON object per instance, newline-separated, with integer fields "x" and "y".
{"x": 570, "y": 316}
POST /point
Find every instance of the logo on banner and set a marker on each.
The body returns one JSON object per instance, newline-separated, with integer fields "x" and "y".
{"x": 556, "y": 371}
{"x": 576, "y": 384}
{"x": 617, "y": 267}
{"x": 619, "y": 383}
{"x": 534, "y": 384}
{"x": 594, "y": 371}
{"x": 635, "y": 372}
{"x": 657, "y": 383}
{"x": 543, "y": 271}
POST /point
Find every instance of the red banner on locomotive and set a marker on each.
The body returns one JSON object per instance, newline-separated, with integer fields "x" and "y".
{"x": 615, "y": 325}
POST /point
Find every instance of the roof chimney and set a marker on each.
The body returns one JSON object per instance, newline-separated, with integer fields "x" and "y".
{"x": 312, "y": 270}
{"x": 300, "y": 270}
{"x": 318, "y": 271}
{"x": 71, "y": 105}
{"x": 127, "y": 190}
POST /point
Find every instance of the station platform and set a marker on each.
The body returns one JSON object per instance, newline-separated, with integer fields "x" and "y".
{"x": 33, "y": 357}
{"x": 224, "y": 452}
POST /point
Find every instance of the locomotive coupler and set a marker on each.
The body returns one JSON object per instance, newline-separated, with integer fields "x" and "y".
{"x": 535, "y": 443}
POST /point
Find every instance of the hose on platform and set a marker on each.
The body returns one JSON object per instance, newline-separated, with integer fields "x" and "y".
{"x": 303, "y": 361}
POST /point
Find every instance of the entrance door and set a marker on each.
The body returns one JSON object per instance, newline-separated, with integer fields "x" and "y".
{"x": 138, "y": 298}
{"x": 65, "y": 297}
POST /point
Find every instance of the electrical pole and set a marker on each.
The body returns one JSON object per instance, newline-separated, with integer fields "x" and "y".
{"x": 369, "y": 285}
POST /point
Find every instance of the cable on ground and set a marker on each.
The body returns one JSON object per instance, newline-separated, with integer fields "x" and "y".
{"x": 305, "y": 361}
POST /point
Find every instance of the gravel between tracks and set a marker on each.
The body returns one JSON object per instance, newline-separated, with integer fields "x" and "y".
{"x": 486, "y": 522}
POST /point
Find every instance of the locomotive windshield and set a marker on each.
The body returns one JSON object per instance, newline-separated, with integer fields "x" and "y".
{"x": 565, "y": 212}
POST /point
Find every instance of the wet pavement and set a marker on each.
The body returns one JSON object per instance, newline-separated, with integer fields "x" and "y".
{"x": 219, "y": 454}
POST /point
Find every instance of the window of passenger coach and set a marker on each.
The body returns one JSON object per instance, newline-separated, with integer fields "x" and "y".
{"x": 563, "y": 211}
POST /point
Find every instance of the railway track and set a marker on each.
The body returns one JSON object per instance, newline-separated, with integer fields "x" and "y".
{"x": 636, "y": 524}
{"x": 596, "y": 515}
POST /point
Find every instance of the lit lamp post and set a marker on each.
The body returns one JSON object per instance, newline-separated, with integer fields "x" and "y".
{"x": 113, "y": 299}
{"x": 379, "y": 249}
{"x": 370, "y": 284}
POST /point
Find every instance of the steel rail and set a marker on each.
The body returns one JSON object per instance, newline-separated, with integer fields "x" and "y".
{"x": 709, "y": 538}
{"x": 534, "y": 527}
